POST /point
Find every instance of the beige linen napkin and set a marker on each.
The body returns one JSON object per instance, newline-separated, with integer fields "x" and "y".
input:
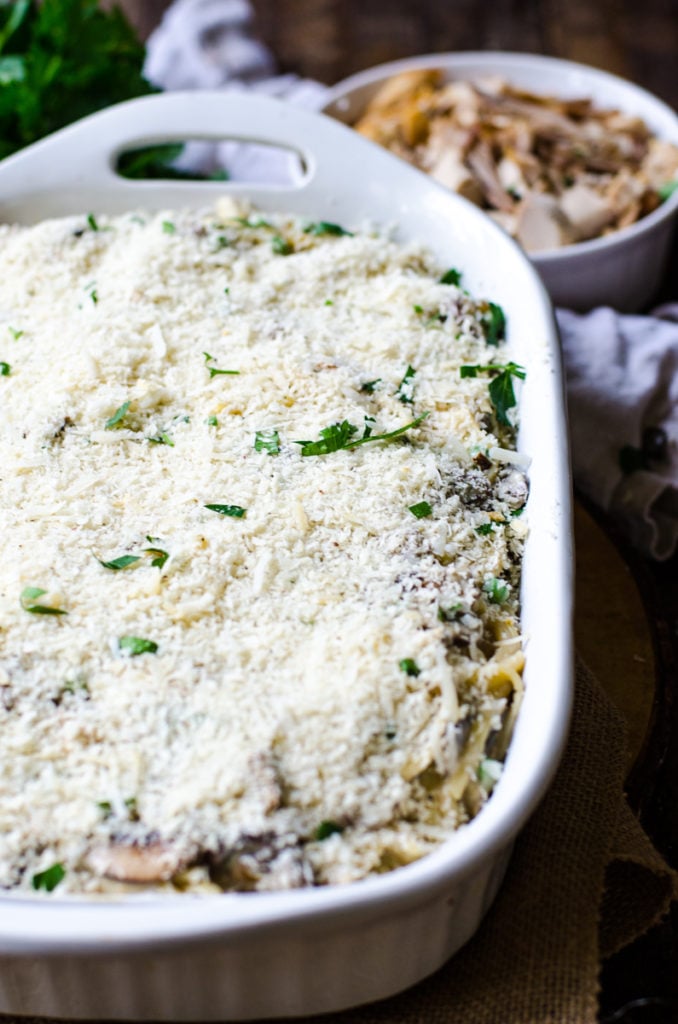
{"x": 583, "y": 882}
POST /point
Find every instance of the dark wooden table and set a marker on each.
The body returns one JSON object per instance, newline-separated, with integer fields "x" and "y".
{"x": 329, "y": 39}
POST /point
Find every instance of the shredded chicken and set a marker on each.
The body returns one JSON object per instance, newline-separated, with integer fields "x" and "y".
{"x": 551, "y": 171}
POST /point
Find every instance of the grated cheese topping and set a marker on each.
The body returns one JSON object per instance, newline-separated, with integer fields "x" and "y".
{"x": 309, "y": 682}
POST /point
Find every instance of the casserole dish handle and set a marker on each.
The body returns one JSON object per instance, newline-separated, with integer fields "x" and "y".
{"x": 82, "y": 157}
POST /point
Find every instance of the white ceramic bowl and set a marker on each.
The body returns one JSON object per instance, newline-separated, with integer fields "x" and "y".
{"x": 253, "y": 955}
{"x": 623, "y": 269}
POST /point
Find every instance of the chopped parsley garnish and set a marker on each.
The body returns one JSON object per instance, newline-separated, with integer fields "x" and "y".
{"x": 116, "y": 564}
{"x": 94, "y": 296}
{"x": 16, "y": 334}
{"x": 162, "y": 438}
{"x": 214, "y": 372}
{"x": 484, "y": 529}
{"x": 91, "y": 220}
{"x": 5, "y": 369}
{"x": 328, "y": 302}
{"x": 159, "y": 557}
{"x": 236, "y": 511}
{"x": 418, "y": 309}
{"x": 169, "y": 227}
{"x": 666, "y": 190}
{"x": 369, "y": 386}
{"x": 450, "y": 276}
{"x": 106, "y": 808}
{"x": 212, "y": 421}
{"x": 405, "y": 390}
{"x": 420, "y": 510}
{"x": 326, "y": 829}
{"x": 450, "y": 614}
{"x": 495, "y": 324}
{"x": 325, "y": 227}
{"x": 137, "y": 645}
{"x": 500, "y": 387}
{"x": 267, "y": 441}
{"x": 280, "y": 246}
{"x": 49, "y": 878}
{"x": 496, "y": 590}
{"x": 409, "y": 667}
{"x": 28, "y": 599}
{"x": 253, "y": 222}
{"x": 342, "y": 435}
{"x": 118, "y": 416}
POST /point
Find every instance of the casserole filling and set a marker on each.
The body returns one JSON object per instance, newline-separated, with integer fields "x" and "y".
{"x": 259, "y": 598}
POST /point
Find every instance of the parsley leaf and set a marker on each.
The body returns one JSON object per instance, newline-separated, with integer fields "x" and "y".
{"x": 214, "y": 372}
{"x": 280, "y": 246}
{"x": 123, "y": 562}
{"x": 340, "y": 435}
{"x": 162, "y": 438}
{"x": 49, "y": 878}
{"x": 666, "y": 190}
{"x": 405, "y": 390}
{"x": 369, "y": 386}
{"x": 92, "y": 222}
{"x": 325, "y": 227}
{"x": 500, "y": 387}
{"x": 420, "y": 510}
{"x": 326, "y": 829}
{"x": 137, "y": 645}
{"x": 485, "y": 529}
{"x": 169, "y": 227}
{"x": 16, "y": 334}
{"x": 495, "y": 324}
{"x": 28, "y": 599}
{"x": 496, "y": 590}
{"x": 212, "y": 421}
{"x": 267, "y": 441}
{"x": 450, "y": 276}
{"x": 159, "y": 556}
{"x": 409, "y": 667}
{"x": 5, "y": 369}
{"x": 236, "y": 511}
{"x": 118, "y": 416}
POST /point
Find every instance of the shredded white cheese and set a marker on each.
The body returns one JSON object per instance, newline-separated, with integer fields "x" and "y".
{"x": 299, "y": 688}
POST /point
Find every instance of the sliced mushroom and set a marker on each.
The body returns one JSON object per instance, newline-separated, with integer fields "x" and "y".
{"x": 137, "y": 863}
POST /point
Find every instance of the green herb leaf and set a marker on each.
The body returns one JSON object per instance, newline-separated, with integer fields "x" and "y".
{"x": 405, "y": 392}
{"x": 418, "y": 309}
{"x": 222, "y": 373}
{"x": 325, "y": 227}
{"x": 341, "y": 435}
{"x": 94, "y": 296}
{"x": 496, "y": 590}
{"x": 118, "y": 416}
{"x": 495, "y": 324}
{"x": 91, "y": 220}
{"x": 236, "y": 511}
{"x": 450, "y": 614}
{"x": 485, "y": 529}
{"x": 369, "y": 386}
{"x": 500, "y": 387}
{"x": 28, "y": 599}
{"x": 5, "y": 369}
{"x": 49, "y": 878}
{"x": 666, "y": 190}
{"x": 106, "y": 808}
{"x": 137, "y": 645}
{"x": 162, "y": 438}
{"x": 120, "y": 563}
{"x": 212, "y": 421}
{"x": 267, "y": 441}
{"x": 409, "y": 667}
{"x": 450, "y": 276}
{"x": 16, "y": 334}
{"x": 159, "y": 556}
{"x": 280, "y": 246}
{"x": 420, "y": 510}
{"x": 168, "y": 227}
{"x": 253, "y": 222}
{"x": 326, "y": 829}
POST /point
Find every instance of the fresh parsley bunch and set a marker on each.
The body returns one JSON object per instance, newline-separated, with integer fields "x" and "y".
{"x": 61, "y": 60}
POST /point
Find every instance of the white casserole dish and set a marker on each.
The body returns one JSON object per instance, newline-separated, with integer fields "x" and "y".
{"x": 245, "y": 956}
{"x": 623, "y": 269}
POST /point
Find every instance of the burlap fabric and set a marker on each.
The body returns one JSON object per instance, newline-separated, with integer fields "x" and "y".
{"x": 584, "y": 881}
